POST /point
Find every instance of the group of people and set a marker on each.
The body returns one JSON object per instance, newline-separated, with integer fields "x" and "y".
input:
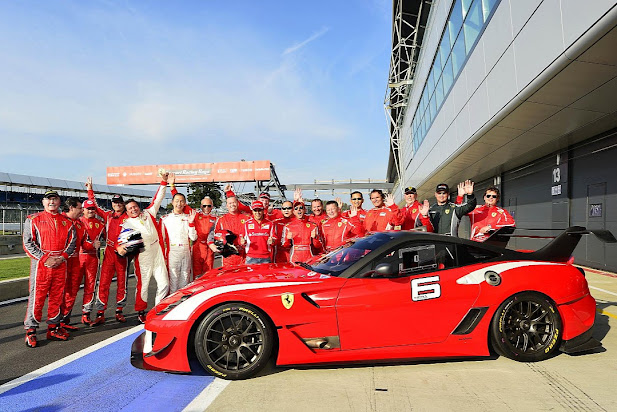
{"x": 180, "y": 246}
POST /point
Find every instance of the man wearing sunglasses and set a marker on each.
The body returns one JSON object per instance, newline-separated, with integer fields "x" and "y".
{"x": 488, "y": 218}
{"x": 281, "y": 252}
{"x": 356, "y": 205}
{"x": 258, "y": 236}
{"x": 445, "y": 216}
{"x": 303, "y": 234}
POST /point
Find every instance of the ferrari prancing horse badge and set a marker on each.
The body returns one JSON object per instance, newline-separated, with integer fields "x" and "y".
{"x": 288, "y": 300}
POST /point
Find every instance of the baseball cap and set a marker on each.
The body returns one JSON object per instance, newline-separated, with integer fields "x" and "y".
{"x": 51, "y": 193}
{"x": 410, "y": 189}
{"x": 442, "y": 187}
{"x": 297, "y": 202}
{"x": 117, "y": 199}
{"x": 264, "y": 195}
{"x": 88, "y": 203}
{"x": 257, "y": 204}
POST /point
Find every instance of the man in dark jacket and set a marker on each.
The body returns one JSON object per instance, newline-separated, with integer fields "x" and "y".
{"x": 446, "y": 215}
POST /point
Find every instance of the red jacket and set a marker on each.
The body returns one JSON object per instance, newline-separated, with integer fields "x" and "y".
{"x": 384, "y": 218}
{"x": 256, "y": 235}
{"x": 281, "y": 251}
{"x": 112, "y": 223}
{"x": 337, "y": 231}
{"x": 49, "y": 234}
{"x": 81, "y": 237}
{"x": 412, "y": 218}
{"x": 94, "y": 228}
{"x": 276, "y": 213}
{"x": 303, "y": 243}
{"x": 235, "y": 224}
{"x": 495, "y": 217}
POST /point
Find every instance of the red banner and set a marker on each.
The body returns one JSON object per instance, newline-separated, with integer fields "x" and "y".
{"x": 191, "y": 172}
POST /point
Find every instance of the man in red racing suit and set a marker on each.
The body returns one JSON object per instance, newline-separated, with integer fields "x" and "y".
{"x": 337, "y": 230}
{"x": 415, "y": 214}
{"x": 112, "y": 262}
{"x": 49, "y": 239}
{"x": 232, "y": 222}
{"x": 282, "y": 250}
{"x": 89, "y": 256}
{"x": 258, "y": 236}
{"x": 301, "y": 235}
{"x": 488, "y": 218}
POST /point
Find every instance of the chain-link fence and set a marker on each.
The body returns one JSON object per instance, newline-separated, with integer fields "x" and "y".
{"x": 13, "y": 218}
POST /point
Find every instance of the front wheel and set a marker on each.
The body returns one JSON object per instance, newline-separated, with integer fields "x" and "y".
{"x": 526, "y": 327}
{"x": 234, "y": 341}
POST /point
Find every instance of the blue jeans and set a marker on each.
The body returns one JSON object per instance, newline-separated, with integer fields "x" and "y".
{"x": 256, "y": 261}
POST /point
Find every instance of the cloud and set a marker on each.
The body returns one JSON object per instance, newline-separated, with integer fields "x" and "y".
{"x": 300, "y": 45}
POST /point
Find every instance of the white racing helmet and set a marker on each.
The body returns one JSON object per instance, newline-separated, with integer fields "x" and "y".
{"x": 131, "y": 240}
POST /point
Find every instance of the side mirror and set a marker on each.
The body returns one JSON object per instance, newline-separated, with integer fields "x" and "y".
{"x": 386, "y": 270}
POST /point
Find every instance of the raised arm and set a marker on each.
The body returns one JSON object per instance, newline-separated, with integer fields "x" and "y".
{"x": 101, "y": 212}
{"x": 155, "y": 205}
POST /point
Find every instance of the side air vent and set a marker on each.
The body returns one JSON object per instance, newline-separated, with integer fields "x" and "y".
{"x": 470, "y": 321}
{"x": 309, "y": 300}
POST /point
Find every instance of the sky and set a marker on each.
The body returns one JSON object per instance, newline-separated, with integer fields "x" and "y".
{"x": 91, "y": 84}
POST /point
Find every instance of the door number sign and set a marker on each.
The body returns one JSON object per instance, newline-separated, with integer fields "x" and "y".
{"x": 425, "y": 288}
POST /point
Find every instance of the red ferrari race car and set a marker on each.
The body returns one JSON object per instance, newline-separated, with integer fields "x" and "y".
{"x": 388, "y": 296}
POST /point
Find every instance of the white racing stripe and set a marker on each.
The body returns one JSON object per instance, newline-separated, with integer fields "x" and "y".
{"x": 184, "y": 310}
{"x": 61, "y": 362}
{"x": 477, "y": 276}
{"x": 207, "y": 396}
{"x": 603, "y": 290}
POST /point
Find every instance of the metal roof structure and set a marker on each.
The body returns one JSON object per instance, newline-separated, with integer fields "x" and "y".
{"x": 37, "y": 182}
{"x": 409, "y": 19}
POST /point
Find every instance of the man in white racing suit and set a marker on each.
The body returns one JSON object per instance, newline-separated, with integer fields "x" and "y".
{"x": 179, "y": 231}
{"x": 151, "y": 261}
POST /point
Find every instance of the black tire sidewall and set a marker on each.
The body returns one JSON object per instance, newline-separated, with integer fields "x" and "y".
{"x": 500, "y": 342}
{"x": 268, "y": 341}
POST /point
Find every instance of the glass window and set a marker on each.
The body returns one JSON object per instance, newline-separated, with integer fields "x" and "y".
{"x": 445, "y": 47}
{"x": 439, "y": 93}
{"x": 466, "y": 4}
{"x": 437, "y": 65}
{"x": 430, "y": 84}
{"x": 468, "y": 255}
{"x": 447, "y": 76}
{"x": 487, "y": 7}
{"x": 425, "y": 99}
{"x": 429, "y": 111}
{"x": 456, "y": 21}
{"x": 458, "y": 55}
{"x": 473, "y": 25}
{"x": 433, "y": 107}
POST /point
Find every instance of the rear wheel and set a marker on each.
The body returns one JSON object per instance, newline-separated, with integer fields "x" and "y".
{"x": 526, "y": 327}
{"x": 234, "y": 341}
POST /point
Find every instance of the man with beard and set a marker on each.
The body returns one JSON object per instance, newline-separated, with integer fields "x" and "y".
{"x": 49, "y": 239}
{"x": 151, "y": 261}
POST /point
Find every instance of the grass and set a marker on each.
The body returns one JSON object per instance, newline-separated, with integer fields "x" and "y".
{"x": 14, "y": 268}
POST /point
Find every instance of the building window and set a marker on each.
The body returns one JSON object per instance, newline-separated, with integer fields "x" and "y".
{"x": 466, "y": 21}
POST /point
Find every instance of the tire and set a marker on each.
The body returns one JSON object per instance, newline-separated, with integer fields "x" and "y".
{"x": 234, "y": 341}
{"x": 526, "y": 327}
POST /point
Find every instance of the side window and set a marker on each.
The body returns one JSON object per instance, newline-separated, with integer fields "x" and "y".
{"x": 468, "y": 255}
{"x": 417, "y": 258}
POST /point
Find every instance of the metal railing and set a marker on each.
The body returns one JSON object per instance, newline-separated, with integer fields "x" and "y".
{"x": 13, "y": 217}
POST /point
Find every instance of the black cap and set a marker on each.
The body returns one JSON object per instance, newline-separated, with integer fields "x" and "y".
{"x": 442, "y": 187}
{"x": 51, "y": 193}
{"x": 117, "y": 199}
{"x": 410, "y": 189}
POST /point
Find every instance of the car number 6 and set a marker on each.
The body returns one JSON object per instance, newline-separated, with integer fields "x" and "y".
{"x": 425, "y": 288}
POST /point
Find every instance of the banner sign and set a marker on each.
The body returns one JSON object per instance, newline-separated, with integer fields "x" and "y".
{"x": 191, "y": 172}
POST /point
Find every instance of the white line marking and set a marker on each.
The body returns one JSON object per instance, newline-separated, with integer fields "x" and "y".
{"x": 61, "y": 362}
{"x": 477, "y": 276}
{"x": 207, "y": 396}
{"x": 603, "y": 290}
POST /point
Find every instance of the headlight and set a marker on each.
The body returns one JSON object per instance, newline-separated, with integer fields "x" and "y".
{"x": 173, "y": 305}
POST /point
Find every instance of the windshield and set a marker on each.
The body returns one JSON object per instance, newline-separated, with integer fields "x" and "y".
{"x": 335, "y": 262}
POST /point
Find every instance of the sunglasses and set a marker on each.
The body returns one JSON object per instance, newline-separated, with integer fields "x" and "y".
{"x": 356, "y": 198}
{"x": 490, "y": 196}
{"x": 286, "y": 208}
{"x": 258, "y": 210}
{"x": 206, "y": 205}
{"x": 298, "y": 208}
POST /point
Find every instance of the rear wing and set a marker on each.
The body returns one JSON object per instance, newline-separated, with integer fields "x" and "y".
{"x": 560, "y": 248}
